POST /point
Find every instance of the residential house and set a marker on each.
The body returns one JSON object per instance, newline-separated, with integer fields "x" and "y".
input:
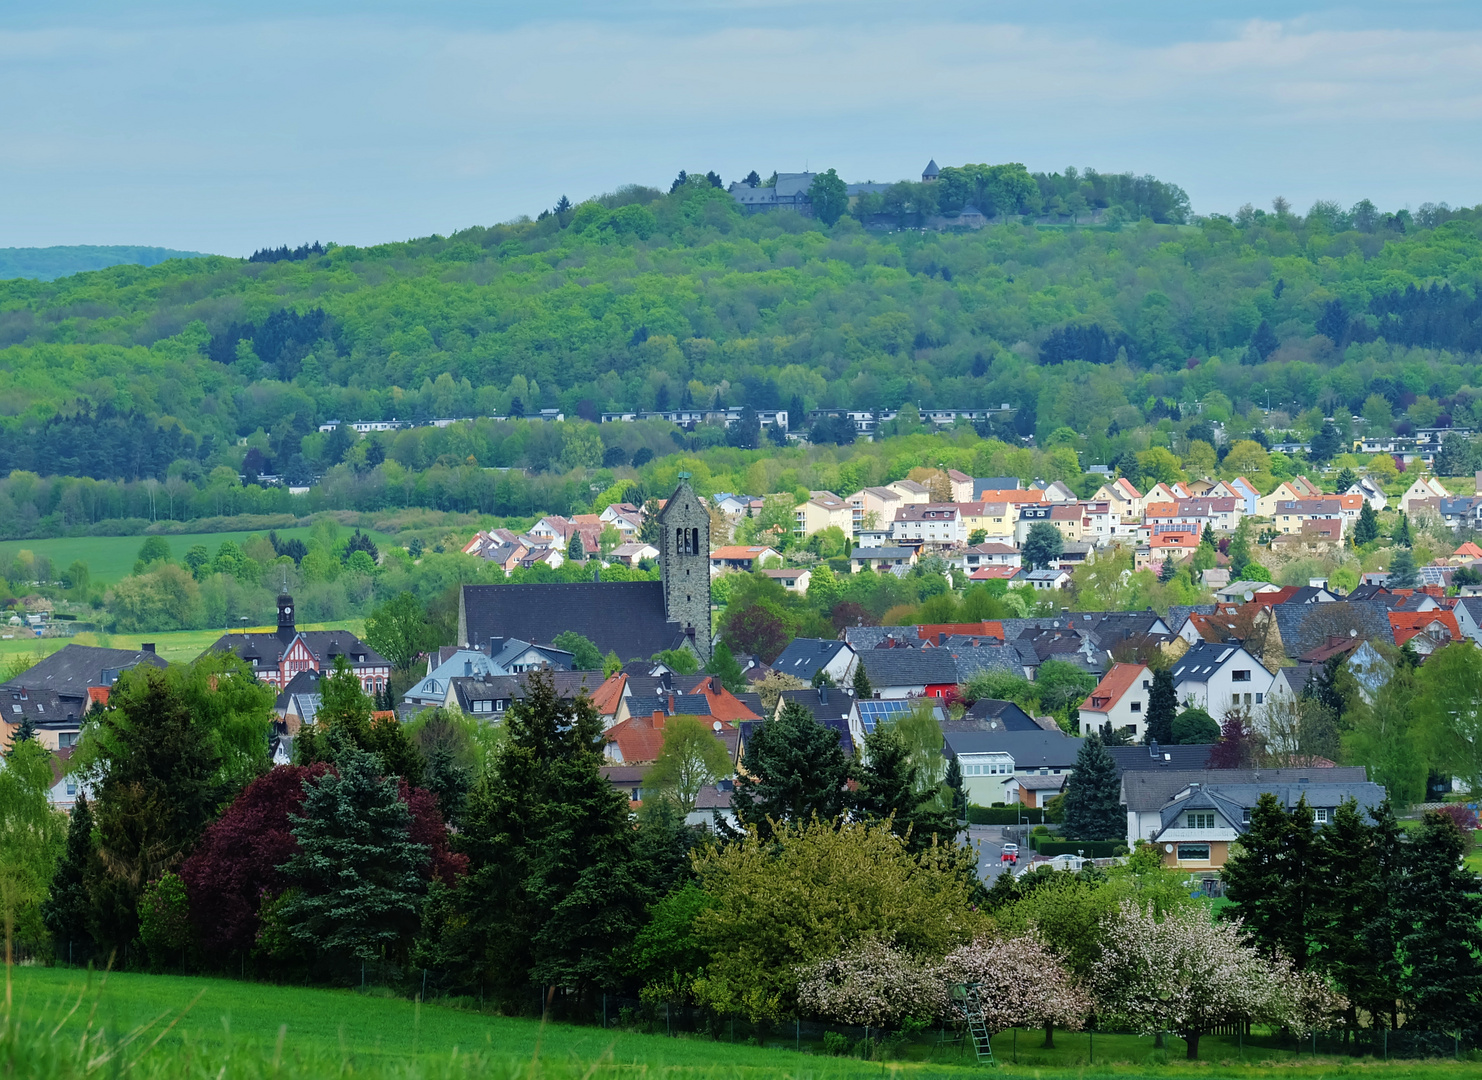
{"x": 866, "y": 714}
{"x": 1099, "y": 522}
{"x": 742, "y": 558}
{"x": 823, "y": 510}
{"x": 57, "y": 692}
{"x": 1235, "y": 592}
{"x": 1200, "y": 822}
{"x": 1046, "y": 579}
{"x": 911, "y": 493}
{"x": 996, "y": 520}
{"x": 1119, "y": 701}
{"x": 1176, "y": 545}
{"x": 987, "y": 554}
{"x": 1124, "y": 498}
{"x": 1220, "y": 677}
{"x": 1287, "y": 491}
{"x": 1468, "y": 615}
{"x": 873, "y": 508}
{"x": 804, "y": 658}
{"x": 1066, "y": 517}
{"x": 881, "y": 558}
{"x": 1369, "y": 490}
{"x": 1424, "y": 631}
{"x": 908, "y": 672}
{"x": 1422, "y": 490}
{"x": 632, "y": 554}
{"x": 1292, "y": 515}
{"x": 935, "y": 524}
{"x": 793, "y": 578}
{"x": 500, "y": 656}
{"x": 1010, "y": 483}
{"x": 962, "y": 486}
{"x": 990, "y": 759}
{"x": 1146, "y": 792}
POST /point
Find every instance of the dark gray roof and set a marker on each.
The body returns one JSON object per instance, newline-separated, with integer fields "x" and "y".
{"x": 974, "y": 655}
{"x": 1164, "y": 758}
{"x": 305, "y": 682}
{"x": 46, "y": 708}
{"x": 909, "y": 667}
{"x": 1178, "y": 614}
{"x": 995, "y": 483}
{"x": 73, "y": 668}
{"x": 1202, "y": 661}
{"x": 1007, "y": 715}
{"x": 1232, "y": 800}
{"x": 266, "y": 650}
{"x": 569, "y": 684}
{"x": 803, "y": 657}
{"x": 838, "y": 725}
{"x": 1150, "y": 789}
{"x": 882, "y": 553}
{"x": 867, "y": 637}
{"x": 1029, "y": 749}
{"x": 1306, "y": 626}
{"x": 622, "y": 616}
{"x": 824, "y": 703}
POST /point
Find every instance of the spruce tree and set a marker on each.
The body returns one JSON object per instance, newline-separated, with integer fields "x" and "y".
{"x": 1207, "y": 537}
{"x": 890, "y": 787}
{"x": 358, "y": 878}
{"x": 1347, "y": 896}
{"x": 1381, "y": 935}
{"x": 1239, "y": 550}
{"x": 1166, "y": 572}
{"x": 1269, "y": 880}
{"x": 1402, "y": 570}
{"x": 956, "y": 789}
{"x": 723, "y": 665}
{"x": 1366, "y": 529}
{"x": 793, "y": 770}
{"x": 1401, "y": 533}
{"x": 67, "y": 909}
{"x": 862, "y": 688}
{"x": 1441, "y": 940}
{"x": 1162, "y": 708}
{"x": 25, "y": 733}
{"x": 1093, "y": 804}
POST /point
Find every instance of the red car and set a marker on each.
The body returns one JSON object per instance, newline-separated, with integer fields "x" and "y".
{"x": 1010, "y": 853}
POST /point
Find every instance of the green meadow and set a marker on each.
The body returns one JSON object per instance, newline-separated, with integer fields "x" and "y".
{"x": 68, "y": 1023}
{"x": 176, "y": 646}
{"x": 110, "y": 558}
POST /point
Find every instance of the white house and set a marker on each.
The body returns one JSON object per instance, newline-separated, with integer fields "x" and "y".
{"x": 1424, "y": 487}
{"x": 1373, "y": 494}
{"x": 930, "y": 523}
{"x": 1119, "y": 699}
{"x": 1217, "y": 678}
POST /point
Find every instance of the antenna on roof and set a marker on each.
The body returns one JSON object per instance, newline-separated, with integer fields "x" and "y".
{"x": 1249, "y": 596}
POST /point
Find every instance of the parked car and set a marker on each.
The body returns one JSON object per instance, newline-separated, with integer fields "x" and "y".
{"x": 1010, "y": 854}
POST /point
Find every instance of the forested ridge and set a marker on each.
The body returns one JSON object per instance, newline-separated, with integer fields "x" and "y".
{"x": 642, "y": 300}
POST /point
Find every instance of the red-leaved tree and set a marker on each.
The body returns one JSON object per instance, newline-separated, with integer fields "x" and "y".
{"x": 236, "y": 863}
{"x": 428, "y": 829}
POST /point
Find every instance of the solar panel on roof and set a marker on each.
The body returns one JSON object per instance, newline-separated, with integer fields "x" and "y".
{"x": 871, "y": 713}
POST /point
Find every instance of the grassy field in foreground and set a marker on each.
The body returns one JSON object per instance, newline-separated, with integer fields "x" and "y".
{"x": 110, "y": 558}
{"x": 222, "y": 1028}
{"x": 176, "y": 646}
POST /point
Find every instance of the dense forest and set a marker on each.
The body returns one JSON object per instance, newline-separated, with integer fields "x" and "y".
{"x": 162, "y": 384}
{"x": 49, "y": 263}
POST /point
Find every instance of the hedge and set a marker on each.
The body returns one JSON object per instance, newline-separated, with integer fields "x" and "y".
{"x": 1093, "y": 849}
{"x": 1004, "y": 815}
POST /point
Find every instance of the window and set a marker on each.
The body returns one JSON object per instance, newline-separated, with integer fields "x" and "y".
{"x": 1321, "y": 815}
{"x": 1146, "y": 685}
{"x": 1201, "y": 821}
{"x": 1260, "y": 698}
{"x": 1240, "y": 675}
{"x": 1193, "y": 852}
{"x": 1137, "y": 706}
{"x": 67, "y": 738}
{"x": 71, "y": 788}
{"x": 1245, "y": 817}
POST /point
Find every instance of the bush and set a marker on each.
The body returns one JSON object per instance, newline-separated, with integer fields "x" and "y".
{"x": 1003, "y": 815}
{"x": 1093, "y": 849}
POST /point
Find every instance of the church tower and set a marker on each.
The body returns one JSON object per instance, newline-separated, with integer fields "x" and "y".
{"x": 684, "y": 561}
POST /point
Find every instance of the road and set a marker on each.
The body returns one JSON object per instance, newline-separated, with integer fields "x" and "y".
{"x": 989, "y": 841}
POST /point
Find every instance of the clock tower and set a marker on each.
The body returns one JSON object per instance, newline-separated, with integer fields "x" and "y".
{"x": 286, "y": 630}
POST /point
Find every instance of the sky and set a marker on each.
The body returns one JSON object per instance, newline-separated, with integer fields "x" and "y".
{"x": 225, "y": 127}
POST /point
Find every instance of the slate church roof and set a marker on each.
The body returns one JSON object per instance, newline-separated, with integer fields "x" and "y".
{"x": 622, "y": 616}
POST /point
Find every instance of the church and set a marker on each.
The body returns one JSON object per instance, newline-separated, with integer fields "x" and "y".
{"x": 277, "y": 658}
{"x": 635, "y": 619}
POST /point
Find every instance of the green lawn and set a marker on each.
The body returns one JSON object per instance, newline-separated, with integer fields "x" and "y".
{"x": 201, "y": 1027}
{"x": 110, "y": 558}
{"x": 176, "y": 646}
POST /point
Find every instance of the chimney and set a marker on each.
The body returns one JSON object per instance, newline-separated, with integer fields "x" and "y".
{"x": 148, "y": 647}
{"x": 467, "y": 668}
{"x": 597, "y": 573}
{"x": 823, "y": 695}
{"x": 1152, "y": 748}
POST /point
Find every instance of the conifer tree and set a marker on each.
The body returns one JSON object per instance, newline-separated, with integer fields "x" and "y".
{"x": 1347, "y": 897}
{"x": 1401, "y": 533}
{"x": 956, "y": 789}
{"x": 1366, "y": 529}
{"x": 862, "y": 688}
{"x": 67, "y": 909}
{"x": 1441, "y": 941}
{"x": 1401, "y": 570}
{"x": 1381, "y": 935}
{"x": 890, "y": 787}
{"x": 723, "y": 664}
{"x": 1166, "y": 572}
{"x": 1239, "y": 550}
{"x": 1207, "y": 537}
{"x": 1093, "y": 804}
{"x": 1269, "y": 880}
{"x": 1162, "y": 708}
{"x": 358, "y": 878}
{"x": 793, "y": 769}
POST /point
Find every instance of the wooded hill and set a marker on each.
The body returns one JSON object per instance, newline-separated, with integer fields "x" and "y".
{"x": 641, "y": 299}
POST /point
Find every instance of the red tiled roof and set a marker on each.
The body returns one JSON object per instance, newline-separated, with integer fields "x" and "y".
{"x": 1407, "y": 624}
{"x": 1115, "y": 683}
{"x": 934, "y": 632}
{"x": 605, "y": 698}
{"x": 724, "y": 705}
{"x": 993, "y": 573}
{"x": 638, "y": 738}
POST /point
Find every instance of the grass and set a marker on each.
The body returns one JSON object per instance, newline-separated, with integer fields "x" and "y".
{"x": 176, "y": 646}
{"x": 110, "y": 558}
{"x": 202, "y": 1027}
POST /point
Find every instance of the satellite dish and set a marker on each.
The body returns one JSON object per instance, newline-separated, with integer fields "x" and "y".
{"x": 1168, "y": 848}
{"x": 1353, "y": 633}
{"x": 1249, "y": 596}
{"x": 716, "y": 726}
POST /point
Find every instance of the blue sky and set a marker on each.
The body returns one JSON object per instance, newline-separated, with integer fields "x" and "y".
{"x": 227, "y": 127}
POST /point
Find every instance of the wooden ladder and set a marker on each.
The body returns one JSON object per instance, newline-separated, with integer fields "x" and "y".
{"x": 965, "y": 997}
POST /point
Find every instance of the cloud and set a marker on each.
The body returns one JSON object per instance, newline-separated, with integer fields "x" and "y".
{"x": 229, "y": 135}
